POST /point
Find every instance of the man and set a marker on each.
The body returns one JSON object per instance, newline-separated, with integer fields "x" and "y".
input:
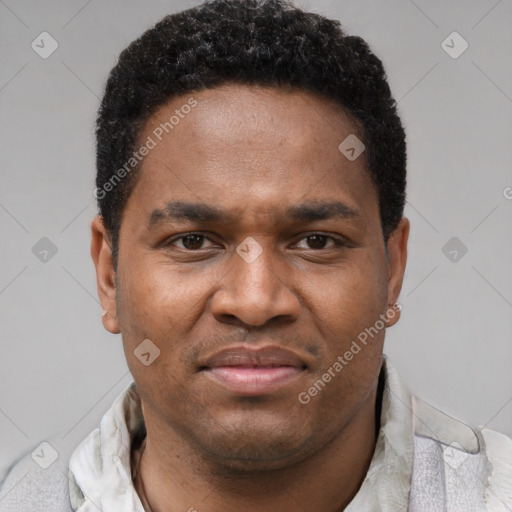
{"x": 250, "y": 249}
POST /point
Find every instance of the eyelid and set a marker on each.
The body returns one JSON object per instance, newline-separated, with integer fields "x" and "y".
{"x": 175, "y": 238}
{"x": 338, "y": 240}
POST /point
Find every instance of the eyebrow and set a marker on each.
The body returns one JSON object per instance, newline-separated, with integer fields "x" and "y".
{"x": 200, "y": 212}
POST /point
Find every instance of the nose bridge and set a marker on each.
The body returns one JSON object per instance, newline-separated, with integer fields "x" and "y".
{"x": 254, "y": 272}
{"x": 254, "y": 290}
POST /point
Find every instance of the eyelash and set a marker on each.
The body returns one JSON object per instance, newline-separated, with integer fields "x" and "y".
{"x": 337, "y": 242}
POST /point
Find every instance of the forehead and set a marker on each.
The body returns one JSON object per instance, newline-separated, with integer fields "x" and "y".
{"x": 248, "y": 148}
{"x": 307, "y": 119}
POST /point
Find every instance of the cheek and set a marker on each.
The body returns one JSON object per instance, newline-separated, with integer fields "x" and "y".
{"x": 348, "y": 315}
{"x": 157, "y": 300}
{"x": 354, "y": 338}
{"x": 157, "y": 303}
{"x": 351, "y": 299}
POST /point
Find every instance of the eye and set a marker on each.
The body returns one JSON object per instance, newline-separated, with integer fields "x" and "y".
{"x": 319, "y": 240}
{"x": 190, "y": 241}
{"x": 196, "y": 242}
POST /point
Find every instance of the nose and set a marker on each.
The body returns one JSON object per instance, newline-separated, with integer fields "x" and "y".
{"x": 255, "y": 292}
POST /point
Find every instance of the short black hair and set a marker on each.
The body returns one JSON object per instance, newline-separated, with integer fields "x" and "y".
{"x": 250, "y": 42}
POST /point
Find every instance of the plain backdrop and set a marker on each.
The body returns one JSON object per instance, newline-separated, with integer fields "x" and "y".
{"x": 60, "y": 371}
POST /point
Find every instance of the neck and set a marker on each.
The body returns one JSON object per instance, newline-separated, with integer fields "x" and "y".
{"x": 177, "y": 478}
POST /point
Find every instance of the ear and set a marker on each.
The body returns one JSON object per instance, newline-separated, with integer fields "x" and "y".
{"x": 101, "y": 253}
{"x": 397, "y": 258}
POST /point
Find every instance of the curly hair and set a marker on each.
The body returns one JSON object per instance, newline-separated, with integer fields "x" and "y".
{"x": 250, "y": 42}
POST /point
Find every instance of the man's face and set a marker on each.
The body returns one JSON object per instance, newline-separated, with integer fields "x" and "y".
{"x": 246, "y": 326}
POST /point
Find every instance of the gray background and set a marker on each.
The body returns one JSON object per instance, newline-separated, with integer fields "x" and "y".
{"x": 60, "y": 371}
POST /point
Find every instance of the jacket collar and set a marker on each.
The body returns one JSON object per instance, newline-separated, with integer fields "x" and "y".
{"x": 387, "y": 484}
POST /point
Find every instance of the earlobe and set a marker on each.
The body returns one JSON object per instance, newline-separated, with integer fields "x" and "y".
{"x": 393, "y": 313}
{"x": 101, "y": 253}
{"x": 397, "y": 259}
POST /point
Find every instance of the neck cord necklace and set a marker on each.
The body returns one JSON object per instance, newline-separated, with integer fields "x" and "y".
{"x": 138, "y": 476}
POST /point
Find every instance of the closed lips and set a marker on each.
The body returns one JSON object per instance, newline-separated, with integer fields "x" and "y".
{"x": 267, "y": 357}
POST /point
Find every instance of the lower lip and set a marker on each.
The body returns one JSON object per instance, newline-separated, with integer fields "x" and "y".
{"x": 253, "y": 381}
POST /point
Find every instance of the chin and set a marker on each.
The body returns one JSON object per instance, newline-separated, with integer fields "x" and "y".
{"x": 255, "y": 457}
{"x": 255, "y": 445}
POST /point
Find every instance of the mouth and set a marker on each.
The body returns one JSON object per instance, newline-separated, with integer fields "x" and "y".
{"x": 254, "y": 371}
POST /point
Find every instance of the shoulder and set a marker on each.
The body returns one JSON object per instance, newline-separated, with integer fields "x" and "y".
{"x": 499, "y": 453}
{"x": 36, "y": 482}
{"x": 453, "y": 461}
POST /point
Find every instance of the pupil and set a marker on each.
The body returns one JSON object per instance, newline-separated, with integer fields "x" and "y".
{"x": 316, "y": 241}
{"x": 196, "y": 241}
